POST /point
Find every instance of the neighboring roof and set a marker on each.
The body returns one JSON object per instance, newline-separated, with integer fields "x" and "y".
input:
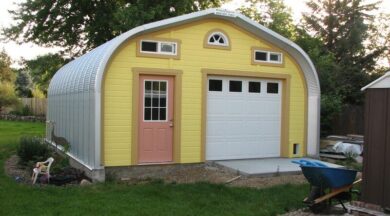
{"x": 85, "y": 74}
{"x": 381, "y": 82}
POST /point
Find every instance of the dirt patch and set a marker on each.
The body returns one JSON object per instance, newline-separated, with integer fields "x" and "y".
{"x": 17, "y": 172}
{"x": 211, "y": 174}
{"x": 263, "y": 182}
{"x": 183, "y": 175}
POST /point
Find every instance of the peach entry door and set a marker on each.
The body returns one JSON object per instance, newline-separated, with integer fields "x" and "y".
{"x": 155, "y": 119}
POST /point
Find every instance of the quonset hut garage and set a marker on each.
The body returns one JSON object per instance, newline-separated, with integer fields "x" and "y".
{"x": 210, "y": 85}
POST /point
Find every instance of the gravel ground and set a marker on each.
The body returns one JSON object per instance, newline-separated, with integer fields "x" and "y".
{"x": 207, "y": 173}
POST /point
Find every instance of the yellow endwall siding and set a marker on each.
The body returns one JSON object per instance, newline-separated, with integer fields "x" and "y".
{"x": 117, "y": 107}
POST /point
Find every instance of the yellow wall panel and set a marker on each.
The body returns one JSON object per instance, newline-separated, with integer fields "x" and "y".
{"x": 117, "y": 107}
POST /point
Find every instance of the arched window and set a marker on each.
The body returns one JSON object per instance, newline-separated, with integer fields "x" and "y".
{"x": 217, "y": 39}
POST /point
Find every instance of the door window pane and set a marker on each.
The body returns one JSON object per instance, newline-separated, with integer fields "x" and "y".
{"x": 148, "y": 114}
{"x": 272, "y": 88}
{"x": 235, "y": 86}
{"x": 163, "y": 101}
{"x": 163, "y": 114}
{"x": 148, "y": 86}
{"x": 155, "y": 105}
{"x": 215, "y": 85}
{"x": 163, "y": 87}
{"x": 254, "y": 87}
{"x": 155, "y": 100}
{"x": 148, "y": 102}
{"x": 155, "y": 87}
{"x": 155, "y": 114}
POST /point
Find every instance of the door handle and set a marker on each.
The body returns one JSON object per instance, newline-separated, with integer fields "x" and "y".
{"x": 171, "y": 123}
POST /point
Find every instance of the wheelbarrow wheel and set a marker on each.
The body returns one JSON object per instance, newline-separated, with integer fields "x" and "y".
{"x": 318, "y": 208}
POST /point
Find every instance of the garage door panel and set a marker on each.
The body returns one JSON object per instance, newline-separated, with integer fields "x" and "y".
{"x": 220, "y": 128}
{"x": 241, "y": 124}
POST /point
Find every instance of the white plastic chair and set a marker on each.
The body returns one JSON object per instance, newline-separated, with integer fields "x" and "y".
{"x": 42, "y": 168}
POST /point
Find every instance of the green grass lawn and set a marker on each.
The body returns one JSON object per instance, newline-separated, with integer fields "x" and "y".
{"x": 120, "y": 199}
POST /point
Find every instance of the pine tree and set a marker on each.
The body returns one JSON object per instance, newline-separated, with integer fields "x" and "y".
{"x": 343, "y": 26}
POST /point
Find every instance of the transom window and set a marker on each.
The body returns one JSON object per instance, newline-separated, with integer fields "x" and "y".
{"x": 268, "y": 56}
{"x": 158, "y": 47}
{"x": 218, "y": 39}
{"x": 155, "y": 100}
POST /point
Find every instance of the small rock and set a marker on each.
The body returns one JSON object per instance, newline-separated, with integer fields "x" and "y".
{"x": 18, "y": 179}
{"x": 85, "y": 182}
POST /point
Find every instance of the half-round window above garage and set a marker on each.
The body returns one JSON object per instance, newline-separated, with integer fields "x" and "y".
{"x": 217, "y": 39}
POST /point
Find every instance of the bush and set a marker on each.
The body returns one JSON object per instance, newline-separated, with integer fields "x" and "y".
{"x": 60, "y": 163}
{"x": 22, "y": 111}
{"x": 26, "y": 111}
{"x": 32, "y": 149}
{"x": 7, "y": 95}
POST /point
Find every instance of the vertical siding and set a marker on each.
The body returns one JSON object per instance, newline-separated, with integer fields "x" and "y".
{"x": 118, "y": 90}
{"x": 376, "y": 164}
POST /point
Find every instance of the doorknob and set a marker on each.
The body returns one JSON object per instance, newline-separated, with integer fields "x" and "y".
{"x": 171, "y": 123}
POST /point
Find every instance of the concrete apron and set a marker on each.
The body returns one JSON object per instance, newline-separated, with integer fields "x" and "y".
{"x": 264, "y": 166}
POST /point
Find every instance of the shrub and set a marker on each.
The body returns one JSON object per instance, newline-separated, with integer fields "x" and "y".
{"x": 32, "y": 149}
{"x": 22, "y": 111}
{"x": 7, "y": 95}
{"x": 26, "y": 111}
{"x": 60, "y": 163}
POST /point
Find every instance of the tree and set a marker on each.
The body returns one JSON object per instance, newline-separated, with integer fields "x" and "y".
{"x": 273, "y": 14}
{"x": 380, "y": 37}
{"x": 326, "y": 66}
{"x": 6, "y": 72}
{"x": 42, "y": 69}
{"x": 7, "y": 95}
{"x": 343, "y": 26}
{"x": 23, "y": 84}
{"x": 80, "y": 25}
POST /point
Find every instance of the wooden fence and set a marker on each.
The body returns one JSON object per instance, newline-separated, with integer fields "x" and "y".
{"x": 349, "y": 121}
{"x": 38, "y": 106}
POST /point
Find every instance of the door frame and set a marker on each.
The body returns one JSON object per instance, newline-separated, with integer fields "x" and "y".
{"x": 177, "y": 75}
{"x": 285, "y": 112}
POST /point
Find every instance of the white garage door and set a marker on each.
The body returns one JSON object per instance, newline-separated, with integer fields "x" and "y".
{"x": 243, "y": 118}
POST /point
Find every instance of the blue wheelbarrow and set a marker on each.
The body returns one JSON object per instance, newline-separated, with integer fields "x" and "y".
{"x": 327, "y": 183}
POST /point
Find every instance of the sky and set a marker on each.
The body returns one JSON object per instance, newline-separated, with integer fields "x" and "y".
{"x": 30, "y": 51}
